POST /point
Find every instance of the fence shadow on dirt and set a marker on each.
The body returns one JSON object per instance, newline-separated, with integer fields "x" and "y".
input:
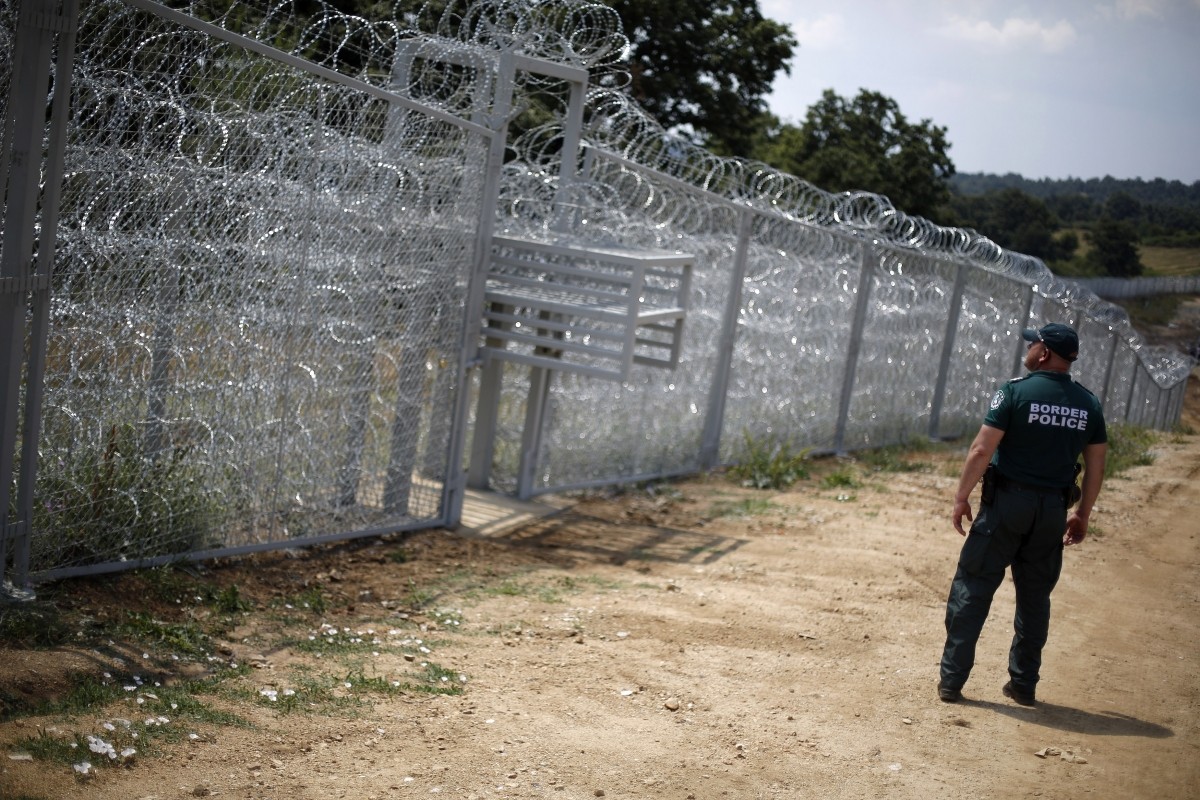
{"x": 605, "y": 541}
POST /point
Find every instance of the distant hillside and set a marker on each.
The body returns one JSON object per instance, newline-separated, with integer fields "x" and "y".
{"x": 1158, "y": 191}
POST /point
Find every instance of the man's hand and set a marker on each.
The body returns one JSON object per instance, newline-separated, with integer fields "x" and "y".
{"x": 1077, "y": 526}
{"x": 1094, "y": 456}
{"x": 962, "y": 508}
{"x": 978, "y": 456}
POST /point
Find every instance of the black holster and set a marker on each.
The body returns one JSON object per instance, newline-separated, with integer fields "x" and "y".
{"x": 987, "y": 494}
{"x": 1072, "y": 494}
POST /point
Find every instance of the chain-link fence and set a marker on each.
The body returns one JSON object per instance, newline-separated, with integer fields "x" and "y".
{"x": 270, "y": 250}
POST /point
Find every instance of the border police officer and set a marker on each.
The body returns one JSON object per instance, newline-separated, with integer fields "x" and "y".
{"x": 1025, "y": 453}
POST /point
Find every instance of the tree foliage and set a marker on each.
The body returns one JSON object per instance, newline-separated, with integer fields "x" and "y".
{"x": 865, "y": 144}
{"x": 1163, "y": 213}
{"x": 1114, "y": 248}
{"x": 1015, "y": 220}
{"x": 706, "y": 65}
{"x": 1097, "y": 190}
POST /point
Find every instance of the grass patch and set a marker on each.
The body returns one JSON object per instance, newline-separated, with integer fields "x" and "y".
{"x": 322, "y": 693}
{"x": 1170, "y": 260}
{"x": 419, "y": 597}
{"x": 184, "y": 638}
{"x": 34, "y": 625}
{"x": 747, "y": 507}
{"x": 894, "y": 458}
{"x": 841, "y": 478}
{"x": 230, "y": 601}
{"x": 335, "y": 641}
{"x": 179, "y": 701}
{"x": 120, "y": 740}
{"x": 311, "y": 599}
{"x": 506, "y": 588}
{"x": 119, "y": 500}
{"x": 767, "y": 463}
{"x": 1158, "y": 309}
{"x": 171, "y": 583}
{"x": 1128, "y": 447}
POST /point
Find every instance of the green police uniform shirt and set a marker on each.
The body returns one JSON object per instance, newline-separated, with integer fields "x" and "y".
{"x": 1047, "y": 420}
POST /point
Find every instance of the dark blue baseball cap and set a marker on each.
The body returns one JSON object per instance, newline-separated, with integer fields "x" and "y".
{"x": 1061, "y": 339}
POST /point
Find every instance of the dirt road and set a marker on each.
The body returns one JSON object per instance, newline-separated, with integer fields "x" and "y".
{"x": 705, "y": 641}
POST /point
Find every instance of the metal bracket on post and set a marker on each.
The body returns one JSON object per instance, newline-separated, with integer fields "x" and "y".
{"x": 710, "y": 444}
{"x": 856, "y": 334}
{"x": 948, "y": 340}
{"x": 491, "y": 384}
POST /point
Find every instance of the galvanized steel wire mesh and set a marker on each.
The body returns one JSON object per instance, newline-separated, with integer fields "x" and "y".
{"x": 258, "y": 297}
{"x": 643, "y": 186}
{"x": 262, "y": 273}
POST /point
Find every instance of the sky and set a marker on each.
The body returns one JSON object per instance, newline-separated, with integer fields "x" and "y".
{"x": 1051, "y": 89}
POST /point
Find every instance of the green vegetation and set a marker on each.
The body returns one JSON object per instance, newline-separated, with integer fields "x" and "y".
{"x": 769, "y": 464}
{"x": 1170, "y": 261}
{"x": 841, "y": 478}
{"x": 897, "y": 457}
{"x": 1128, "y": 447}
{"x": 1152, "y": 309}
{"x": 705, "y": 65}
{"x": 1085, "y": 227}
{"x": 747, "y": 507}
{"x": 37, "y": 625}
{"x": 183, "y": 638}
{"x": 121, "y": 502}
{"x": 311, "y": 599}
{"x": 864, "y": 144}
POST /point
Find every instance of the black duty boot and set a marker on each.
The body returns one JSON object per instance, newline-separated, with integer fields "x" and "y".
{"x": 1022, "y": 697}
{"x": 948, "y": 694}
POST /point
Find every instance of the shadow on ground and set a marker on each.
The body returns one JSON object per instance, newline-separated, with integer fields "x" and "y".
{"x": 596, "y": 539}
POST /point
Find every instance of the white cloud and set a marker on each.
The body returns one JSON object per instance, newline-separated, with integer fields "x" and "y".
{"x": 1014, "y": 32}
{"x": 823, "y": 33}
{"x": 1132, "y": 9}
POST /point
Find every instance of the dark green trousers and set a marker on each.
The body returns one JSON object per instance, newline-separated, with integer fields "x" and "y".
{"x": 1022, "y": 529}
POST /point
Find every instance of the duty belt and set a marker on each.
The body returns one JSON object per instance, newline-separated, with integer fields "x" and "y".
{"x": 1004, "y": 482}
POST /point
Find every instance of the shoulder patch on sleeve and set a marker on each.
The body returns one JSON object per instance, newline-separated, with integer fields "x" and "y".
{"x": 997, "y": 399}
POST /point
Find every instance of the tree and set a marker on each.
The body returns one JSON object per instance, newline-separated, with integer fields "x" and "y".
{"x": 1017, "y": 220}
{"x": 1122, "y": 206}
{"x": 706, "y": 65}
{"x": 1114, "y": 248}
{"x": 866, "y": 144}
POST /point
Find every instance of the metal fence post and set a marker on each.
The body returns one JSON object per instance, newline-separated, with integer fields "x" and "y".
{"x": 1180, "y": 397}
{"x": 455, "y": 484}
{"x": 1108, "y": 370}
{"x": 1163, "y": 403}
{"x": 1132, "y": 391}
{"x": 939, "y": 392}
{"x": 540, "y": 378}
{"x": 865, "y": 275}
{"x": 1019, "y": 363}
{"x": 41, "y": 26}
{"x": 535, "y": 421}
{"x": 714, "y": 420}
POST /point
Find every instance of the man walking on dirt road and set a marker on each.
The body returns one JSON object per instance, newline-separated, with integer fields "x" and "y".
{"x": 1025, "y": 453}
